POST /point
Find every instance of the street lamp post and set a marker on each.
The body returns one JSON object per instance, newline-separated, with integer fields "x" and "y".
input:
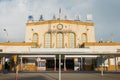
{"x": 59, "y": 66}
{"x": 6, "y": 34}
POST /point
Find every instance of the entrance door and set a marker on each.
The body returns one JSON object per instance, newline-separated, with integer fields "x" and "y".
{"x": 79, "y": 64}
{"x": 62, "y": 63}
{"x": 70, "y": 64}
{"x": 50, "y": 64}
{"x": 42, "y": 64}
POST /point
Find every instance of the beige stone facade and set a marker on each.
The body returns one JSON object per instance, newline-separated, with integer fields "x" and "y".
{"x": 82, "y": 32}
{"x": 75, "y": 40}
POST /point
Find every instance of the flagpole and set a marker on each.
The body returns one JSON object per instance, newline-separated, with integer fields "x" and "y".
{"x": 59, "y": 14}
{"x": 59, "y": 53}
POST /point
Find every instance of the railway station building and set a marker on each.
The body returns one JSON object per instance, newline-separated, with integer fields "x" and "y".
{"x": 74, "y": 40}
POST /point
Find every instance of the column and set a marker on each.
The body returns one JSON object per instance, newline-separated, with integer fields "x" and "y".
{"x": 21, "y": 64}
{"x": 76, "y": 64}
{"x": 38, "y": 64}
{"x": 81, "y": 64}
{"x": 15, "y": 62}
{"x": 102, "y": 65}
{"x": 115, "y": 65}
{"x": 65, "y": 64}
{"x": 55, "y": 64}
{"x": 3, "y": 64}
{"x": 108, "y": 63}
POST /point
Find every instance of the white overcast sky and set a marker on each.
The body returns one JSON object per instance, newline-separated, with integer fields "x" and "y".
{"x": 14, "y": 14}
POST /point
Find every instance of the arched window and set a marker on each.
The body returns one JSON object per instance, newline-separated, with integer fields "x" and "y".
{"x": 72, "y": 40}
{"x": 84, "y": 37}
{"x": 47, "y": 40}
{"x": 59, "y": 40}
{"x": 35, "y": 37}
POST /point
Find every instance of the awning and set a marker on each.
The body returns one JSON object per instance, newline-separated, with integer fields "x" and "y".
{"x": 79, "y": 56}
{"x": 45, "y": 56}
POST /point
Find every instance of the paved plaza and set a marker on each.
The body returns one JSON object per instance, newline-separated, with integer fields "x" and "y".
{"x": 65, "y": 76}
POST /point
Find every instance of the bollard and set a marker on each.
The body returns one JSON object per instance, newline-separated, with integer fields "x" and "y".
{"x": 16, "y": 77}
{"x": 54, "y": 69}
{"x": 65, "y": 69}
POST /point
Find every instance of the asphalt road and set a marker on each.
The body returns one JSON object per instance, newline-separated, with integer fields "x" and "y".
{"x": 65, "y": 76}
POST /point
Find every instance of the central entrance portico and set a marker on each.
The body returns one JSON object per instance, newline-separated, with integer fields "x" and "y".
{"x": 72, "y": 59}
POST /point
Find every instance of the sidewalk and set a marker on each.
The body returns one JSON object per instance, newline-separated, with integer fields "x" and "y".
{"x": 65, "y": 76}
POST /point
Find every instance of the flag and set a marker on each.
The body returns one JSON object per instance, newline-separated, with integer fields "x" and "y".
{"x": 60, "y": 11}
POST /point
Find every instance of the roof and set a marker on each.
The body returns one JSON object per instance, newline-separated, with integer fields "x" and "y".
{"x": 18, "y": 44}
{"x": 65, "y": 51}
{"x": 58, "y": 21}
{"x": 101, "y": 44}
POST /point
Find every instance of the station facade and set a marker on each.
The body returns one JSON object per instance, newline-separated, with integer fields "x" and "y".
{"x": 73, "y": 40}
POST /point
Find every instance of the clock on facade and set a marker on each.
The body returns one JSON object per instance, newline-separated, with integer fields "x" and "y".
{"x": 60, "y": 26}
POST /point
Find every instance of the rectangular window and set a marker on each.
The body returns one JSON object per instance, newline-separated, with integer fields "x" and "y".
{"x": 59, "y": 40}
{"x": 118, "y": 50}
{"x": 1, "y": 50}
{"x": 72, "y": 40}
